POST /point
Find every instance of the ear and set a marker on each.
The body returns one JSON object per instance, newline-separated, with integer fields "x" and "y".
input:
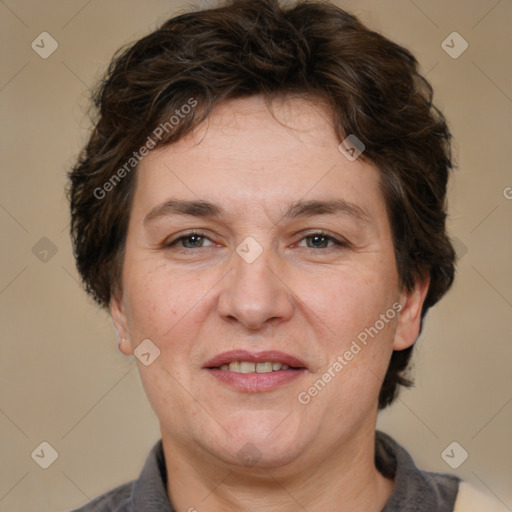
{"x": 118, "y": 315}
{"x": 409, "y": 319}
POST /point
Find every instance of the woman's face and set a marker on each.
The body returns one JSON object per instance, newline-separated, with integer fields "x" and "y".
{"x": 258, "y": 276}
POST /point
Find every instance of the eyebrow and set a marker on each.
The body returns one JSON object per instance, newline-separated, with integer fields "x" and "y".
{"x": 297, "y": 209}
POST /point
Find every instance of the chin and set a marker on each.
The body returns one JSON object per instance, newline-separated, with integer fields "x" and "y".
{"x": 252, "y": 457}
{"x": 259, "y": 441}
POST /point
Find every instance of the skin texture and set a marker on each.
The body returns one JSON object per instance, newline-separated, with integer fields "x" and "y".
{"x": 309, "y": 298}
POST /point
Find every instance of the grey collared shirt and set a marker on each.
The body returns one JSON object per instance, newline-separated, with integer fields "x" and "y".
{"x": 415, "y": 490}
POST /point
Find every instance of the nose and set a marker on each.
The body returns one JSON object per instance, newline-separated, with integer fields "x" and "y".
{"x": 256, "y": 293}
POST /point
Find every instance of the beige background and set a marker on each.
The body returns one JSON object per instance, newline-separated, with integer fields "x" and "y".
{"x": 61, "y": 378}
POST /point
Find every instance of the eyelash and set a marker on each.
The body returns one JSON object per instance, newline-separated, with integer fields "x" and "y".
{"x": 322, "y": 234}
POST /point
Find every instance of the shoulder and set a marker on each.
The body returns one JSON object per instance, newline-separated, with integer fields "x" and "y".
{"x": 115, "y": 500}
{"x": 147, "y": 492}
{"x": 414, "y": 488}
{"x": 470, "y": 499}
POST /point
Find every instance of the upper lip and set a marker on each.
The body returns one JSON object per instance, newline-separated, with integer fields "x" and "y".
{"x": 273, "y": 356}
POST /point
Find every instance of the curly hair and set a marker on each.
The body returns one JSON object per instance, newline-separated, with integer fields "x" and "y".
{"x": 370, "y": 85}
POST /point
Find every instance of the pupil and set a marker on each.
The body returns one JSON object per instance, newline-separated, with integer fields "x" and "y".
{"x": 316, "y": 238}
{"x": 194, "y": 238}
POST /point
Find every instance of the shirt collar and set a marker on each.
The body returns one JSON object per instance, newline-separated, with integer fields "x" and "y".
{"x": 414, "y": 489}
{"x": 149, "y": 492}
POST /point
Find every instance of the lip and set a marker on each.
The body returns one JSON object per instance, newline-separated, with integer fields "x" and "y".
{"x": 255, "y": 382}
{"x": 273, "y": 356}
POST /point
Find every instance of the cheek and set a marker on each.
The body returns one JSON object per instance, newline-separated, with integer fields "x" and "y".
{"x": 350, "y": 301}
{"x": 155, "y": 301}
{"x": 354, "y": 373}
{"x": 348, "y": 311}
{"x": 159, "y": 308}
{"x": 170, "y": 308}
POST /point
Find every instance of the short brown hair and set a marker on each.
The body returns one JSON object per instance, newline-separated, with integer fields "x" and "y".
{"x": 371, "y": 86}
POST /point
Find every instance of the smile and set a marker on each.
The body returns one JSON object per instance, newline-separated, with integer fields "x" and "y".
{"x": 249, "y": 367}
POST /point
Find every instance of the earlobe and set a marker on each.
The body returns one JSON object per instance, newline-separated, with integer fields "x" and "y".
{"x": 118, "y": 316}
{"x": 409, "y": 319}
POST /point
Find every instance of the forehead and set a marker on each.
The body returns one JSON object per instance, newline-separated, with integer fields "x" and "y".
{"x": 247, "y": 158}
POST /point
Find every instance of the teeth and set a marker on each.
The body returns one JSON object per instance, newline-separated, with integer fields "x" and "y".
{"x": 263, "y": 367}
{"x": 248, "y": 367}
{"x": 234, "y": 366}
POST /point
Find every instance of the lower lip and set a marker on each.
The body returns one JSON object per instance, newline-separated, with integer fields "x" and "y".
{"x": 255, "y": 382}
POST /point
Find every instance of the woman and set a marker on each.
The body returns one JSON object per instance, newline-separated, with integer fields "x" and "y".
{"x": 261, "y": 208}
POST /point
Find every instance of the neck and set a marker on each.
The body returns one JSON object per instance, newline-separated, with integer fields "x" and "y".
{"x": 346, "y": 479}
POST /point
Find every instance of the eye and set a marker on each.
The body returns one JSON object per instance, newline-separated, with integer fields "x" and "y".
{"x": 320, "y": 240}
{"x": 196, "y": 240}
